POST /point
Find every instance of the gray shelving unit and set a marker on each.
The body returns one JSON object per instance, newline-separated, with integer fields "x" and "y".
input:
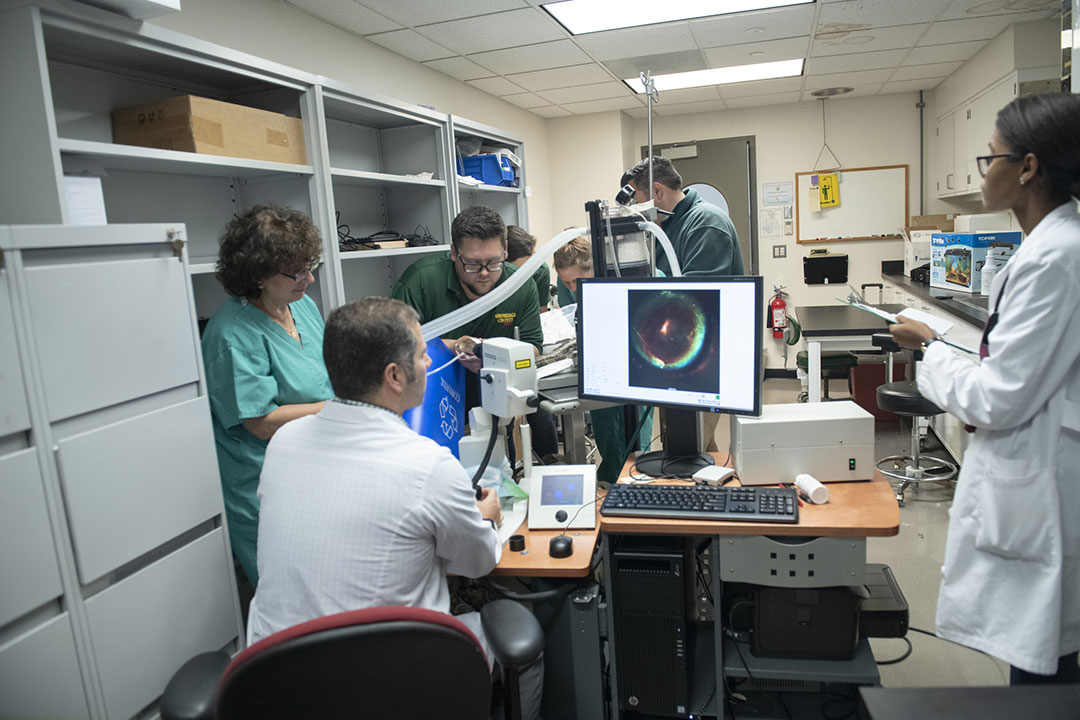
{"x": 115, "y": 563}
{"x": 509, "y": 202}
{"x": 102, "y": 610}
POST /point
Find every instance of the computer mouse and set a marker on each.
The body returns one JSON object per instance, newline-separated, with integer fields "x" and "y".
{"x": 561, "y": 546}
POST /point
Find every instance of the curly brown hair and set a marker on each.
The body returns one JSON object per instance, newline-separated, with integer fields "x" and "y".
{"x": 262, "y": 242}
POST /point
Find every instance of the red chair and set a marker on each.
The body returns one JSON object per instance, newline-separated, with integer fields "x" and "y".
{"x": 385, "y": 662}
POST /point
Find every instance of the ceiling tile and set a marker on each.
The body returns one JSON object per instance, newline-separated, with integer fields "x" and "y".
{"x": 346, "y": 14}
{"x": 869, "y": 40}
{"x": 422, "y": 12}
{"x": 904, "y": 86}
{"x": 551, "y": 111}
{"x": 582, "y": 93}
{"x": 856, "y": 91}
{"x": 494, "y": 32}
{"x": 531, "y": 57}
{"x": 593, "y": 106}
{"x": 688, "y": 108}
{"x": 859, "y": 14}
{"x": 684, "y": 61}
{"x": 698, "y": 94}
{"x": 979, "y": 28}
{"x": 525, "y": 100}
{"x": 847, "y": 79}
{"x": 977, "y": 8}
{"x": 854, "y": 61}
{"x": 924, "y": 55}
{"x": 610, "y": 44}
{"x": 761, "y": 87}
{"x": 759, "y": 52}
{"x": 459, "y": 67}
{"x": 760, "y": 100}
{"x": 561, "y": 77}
{"x": 754, "y": 26}
{"x": 918, "y": 72}
{"x": 496, "y": 86}
{"x": 410, "y": 44}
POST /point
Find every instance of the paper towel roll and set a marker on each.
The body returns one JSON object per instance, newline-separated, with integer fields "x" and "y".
{"x": 809, "y": 485}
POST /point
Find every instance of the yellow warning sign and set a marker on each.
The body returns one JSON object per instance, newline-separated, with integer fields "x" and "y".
{"x": 522, "y": 364}
{"x": 829, "y": 190}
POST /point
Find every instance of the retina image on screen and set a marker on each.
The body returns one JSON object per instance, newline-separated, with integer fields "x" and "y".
{"x": 681, "y": 343}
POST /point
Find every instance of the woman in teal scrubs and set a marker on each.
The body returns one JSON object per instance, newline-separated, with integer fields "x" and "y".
{"x": 263, "y": 354}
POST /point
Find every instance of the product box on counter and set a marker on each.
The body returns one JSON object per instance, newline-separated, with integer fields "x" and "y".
{"x": 194, "y": 124}
{"x": 957, "y": 259}
{"x": 917, "y": 249}
{"x": 986, "y": 222}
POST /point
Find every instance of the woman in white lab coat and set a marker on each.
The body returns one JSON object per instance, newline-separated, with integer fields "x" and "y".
{"x": 1011, "y": 579}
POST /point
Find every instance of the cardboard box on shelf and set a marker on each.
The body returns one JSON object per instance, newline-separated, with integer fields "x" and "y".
{"x": 957, "y": 259}
{"x": 937, "y": 223}
{"x": 194, "y": 124}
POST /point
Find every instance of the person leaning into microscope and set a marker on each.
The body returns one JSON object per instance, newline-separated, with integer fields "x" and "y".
{"x": 702, "y": 234}
{"x": 357, "y": 509}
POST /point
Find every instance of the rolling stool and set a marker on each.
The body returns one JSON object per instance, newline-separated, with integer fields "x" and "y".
{"x": 903, "y": 398}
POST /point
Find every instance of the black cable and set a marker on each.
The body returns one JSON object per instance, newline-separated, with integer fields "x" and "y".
{"x": 903, "y": 657}
{"x": 708, "y": 699}
{"x": 849, "y": 698}
{"x": 571, "y": 520}
{"x": 487, "y": 456}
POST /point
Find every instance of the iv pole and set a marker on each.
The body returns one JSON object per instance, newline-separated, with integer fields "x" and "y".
{"x": 651, "y": 96}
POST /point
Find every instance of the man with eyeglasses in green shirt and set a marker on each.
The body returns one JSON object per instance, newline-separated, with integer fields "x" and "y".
{"x": 475, "y": 266}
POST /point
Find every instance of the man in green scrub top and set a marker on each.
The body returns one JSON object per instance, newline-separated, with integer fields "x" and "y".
{"x": 520, "y": 246}
{"x": 702, "y": 235}
{"x": 475, "y": 266}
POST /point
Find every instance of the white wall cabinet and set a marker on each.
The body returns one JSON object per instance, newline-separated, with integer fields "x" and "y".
{"x": 963, "y": 134}
{"x": 373, "y": 164}
{"x": 114, "y": 561}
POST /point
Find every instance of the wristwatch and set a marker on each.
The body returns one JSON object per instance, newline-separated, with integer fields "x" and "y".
{"x": 929, "y": 342}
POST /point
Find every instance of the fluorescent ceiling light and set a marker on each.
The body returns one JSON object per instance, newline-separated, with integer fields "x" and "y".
{"x": 586, "y": 16}
{"x": 722, "y": 76}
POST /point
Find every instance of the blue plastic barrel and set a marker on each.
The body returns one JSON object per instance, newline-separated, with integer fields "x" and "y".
{"x": 441, "y": 416}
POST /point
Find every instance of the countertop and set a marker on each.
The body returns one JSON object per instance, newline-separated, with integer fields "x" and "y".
{"x": 972, "y": 309}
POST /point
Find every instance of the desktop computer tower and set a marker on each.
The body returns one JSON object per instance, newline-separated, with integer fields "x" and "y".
{"x": 652, "y": 642}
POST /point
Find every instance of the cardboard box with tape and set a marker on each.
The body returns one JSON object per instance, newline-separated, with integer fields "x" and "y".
{"x": 212, "y": 127}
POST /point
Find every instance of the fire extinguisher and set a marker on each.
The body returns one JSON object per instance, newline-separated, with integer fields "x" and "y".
{"x": 778, "y": 312}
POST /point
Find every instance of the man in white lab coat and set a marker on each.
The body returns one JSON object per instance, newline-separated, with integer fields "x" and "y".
{"x": 1011, "y": 580}
{"x": 356, "y": 509}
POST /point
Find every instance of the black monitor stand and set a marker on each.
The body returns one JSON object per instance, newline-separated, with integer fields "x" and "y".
{"x": 683, "y": 454}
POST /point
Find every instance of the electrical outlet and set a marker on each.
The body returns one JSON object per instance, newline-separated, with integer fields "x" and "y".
{"x": 779, "y": 251}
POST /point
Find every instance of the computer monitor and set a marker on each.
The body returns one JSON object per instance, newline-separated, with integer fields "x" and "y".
{"x": 686, "y": 344}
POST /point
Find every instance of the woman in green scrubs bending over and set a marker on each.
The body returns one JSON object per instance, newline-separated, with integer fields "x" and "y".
{"x": 263, "y": 354}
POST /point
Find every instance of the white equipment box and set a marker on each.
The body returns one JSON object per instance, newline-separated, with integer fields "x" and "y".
{"x": 833, "y": 441}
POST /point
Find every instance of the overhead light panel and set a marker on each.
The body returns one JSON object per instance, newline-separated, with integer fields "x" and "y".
{"x": 588, "y": 16}
{"x": 722, "y": 76}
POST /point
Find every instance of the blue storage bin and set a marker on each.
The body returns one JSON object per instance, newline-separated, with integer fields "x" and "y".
{"x": 489, "y": 169}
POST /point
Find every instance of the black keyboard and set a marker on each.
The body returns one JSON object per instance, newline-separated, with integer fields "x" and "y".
{"x": 703, "y": 502}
